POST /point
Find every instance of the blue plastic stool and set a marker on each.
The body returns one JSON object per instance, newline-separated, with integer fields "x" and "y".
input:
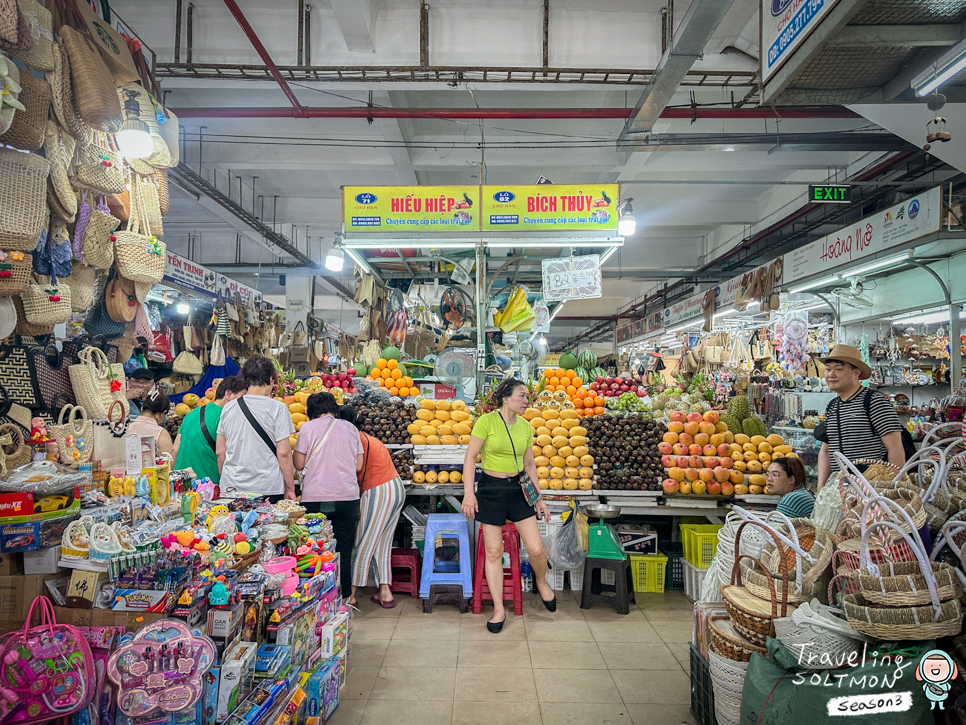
{"x": 457, "y": 572}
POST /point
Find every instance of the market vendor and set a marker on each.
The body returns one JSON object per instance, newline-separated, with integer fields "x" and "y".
{"x": 139, "y": 383}
{"x": 195, "y": 446}
{"x": 859, "y": 423}
{"x": 786, "y": 478}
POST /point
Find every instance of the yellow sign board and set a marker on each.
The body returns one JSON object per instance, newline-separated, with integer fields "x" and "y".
{"x": 389, "y": 209}
{"x": 550, "y": 207}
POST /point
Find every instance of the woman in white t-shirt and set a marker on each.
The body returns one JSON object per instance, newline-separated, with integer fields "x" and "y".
{"x": 254, "y": 453}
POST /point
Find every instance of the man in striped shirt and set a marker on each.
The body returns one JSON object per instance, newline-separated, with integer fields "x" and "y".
{"x": 859, "y": 423}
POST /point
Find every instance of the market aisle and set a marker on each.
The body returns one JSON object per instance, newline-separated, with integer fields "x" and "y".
{"x": 577, "y": 667}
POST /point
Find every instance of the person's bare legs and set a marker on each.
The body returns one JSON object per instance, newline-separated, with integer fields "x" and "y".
{"x": 493, "y": 541}
{"x": 530, "y": 536}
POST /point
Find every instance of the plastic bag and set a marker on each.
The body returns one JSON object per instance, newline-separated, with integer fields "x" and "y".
{"x": 563, "y": 546}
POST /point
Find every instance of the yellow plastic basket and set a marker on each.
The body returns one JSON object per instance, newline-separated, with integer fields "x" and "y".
{"x": 648, "y": 571}
{"x": 700, "y": 543}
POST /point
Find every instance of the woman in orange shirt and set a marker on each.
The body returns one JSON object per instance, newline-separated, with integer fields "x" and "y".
{"x": 383, "y": 496}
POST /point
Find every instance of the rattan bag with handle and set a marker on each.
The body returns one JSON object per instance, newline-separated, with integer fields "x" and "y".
{"x": 140, "y": 255}
{"x": 14, "y": 452}
{"x": 28, "y": 127}
{"x": 40, "y": 55}
{"x": 59, "y": 148}
{"x": 108, "y": 436}
{"x": 97, "y": 383}
{"x": 82, "y": 282}
{"x": 23, "y": 194}
{"x": 15, "y": 270}
{"x": 74, "y": 435}
{"x": 97, "y": 244}
{"x": 46, "y": 302}
{"x": 144, "y": 194}
{"x": 122, "y": 305}
{"x": 94, "y": 95}
{"x": 99, "y": 166}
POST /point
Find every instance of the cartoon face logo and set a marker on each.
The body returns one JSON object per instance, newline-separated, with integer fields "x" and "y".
{"x": 935, "y": 671}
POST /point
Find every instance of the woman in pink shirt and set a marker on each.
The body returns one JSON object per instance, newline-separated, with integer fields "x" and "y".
{"x": 329, "y": 452}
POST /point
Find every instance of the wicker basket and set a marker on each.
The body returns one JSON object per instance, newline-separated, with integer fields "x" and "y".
{"x": 813, "y": 629}
{"x": 243, "y": 562}
{"x": 23, "y": 191}
{"x": 728, "y": 642}
{"x": 40, "y": 55}
{"x": 28, "y": 127}
{"x": 809, "y": 564}
{"x": 16, "y": 453}
{"x": 15, "y": 273}
{"x": 902, "y": 583}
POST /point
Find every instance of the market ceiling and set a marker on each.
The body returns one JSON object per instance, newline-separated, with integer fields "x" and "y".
{"x": 283, "y": 104}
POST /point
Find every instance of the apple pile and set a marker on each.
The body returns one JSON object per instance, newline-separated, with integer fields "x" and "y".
{"x": 342, "y": 381}
{"x": 697, "y": 454}
{"x": 613, "y": 387}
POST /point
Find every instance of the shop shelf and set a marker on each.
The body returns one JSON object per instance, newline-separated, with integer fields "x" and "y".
{"x": 674, "y": 551}
{"x": 693, "y": 580}
{"x": 702, "y": 696}
{"x": 700, "y": 542}
{"x": 648, "y": 572}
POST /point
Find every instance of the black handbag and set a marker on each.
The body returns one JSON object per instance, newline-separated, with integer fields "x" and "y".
{"x": 99, "y": 324}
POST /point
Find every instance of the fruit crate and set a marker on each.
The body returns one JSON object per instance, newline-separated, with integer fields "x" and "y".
{"x": 702, "y": 695}
{"x": 674, "y": 551}
{"x": 648, "y": 572}
{"x": 693, "y": 581}
{"x": 700, "y": 543}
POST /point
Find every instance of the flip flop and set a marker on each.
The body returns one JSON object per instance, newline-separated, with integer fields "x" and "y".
{"x": 385, "y": 605}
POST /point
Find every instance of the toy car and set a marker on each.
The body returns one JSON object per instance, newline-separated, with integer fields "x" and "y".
{"x": 50, "y": 503}
{"x": 19, "y": 542}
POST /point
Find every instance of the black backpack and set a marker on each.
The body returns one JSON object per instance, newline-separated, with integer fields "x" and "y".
{"x": 908, "y": 444}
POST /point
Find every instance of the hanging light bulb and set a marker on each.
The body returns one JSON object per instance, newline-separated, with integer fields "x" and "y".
{"x": 627, "y": 224}
{"x": 134, "y": 138}
{"x": 335, "y": 259}
{"x": 183, "y": 308}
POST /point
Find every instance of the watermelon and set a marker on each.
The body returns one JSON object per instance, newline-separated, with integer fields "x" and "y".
{"x": 587, "y": 360}
{"x": 581, "y": 373}
{"x": 391, "y": 353}
{"x": 403, "y": 369}
{"x": 568, "y": 361}
{"x": 598, "y": 373}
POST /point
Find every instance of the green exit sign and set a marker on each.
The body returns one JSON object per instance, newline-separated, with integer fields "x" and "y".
{"x": 830, "y": 193}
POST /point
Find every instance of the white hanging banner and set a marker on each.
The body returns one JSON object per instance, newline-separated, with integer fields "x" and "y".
{"x": 571, "y": 278}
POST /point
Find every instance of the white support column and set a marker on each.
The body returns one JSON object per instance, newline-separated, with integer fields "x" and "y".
{"x": 481, "y": 308}
{"x": 955, "y": 351}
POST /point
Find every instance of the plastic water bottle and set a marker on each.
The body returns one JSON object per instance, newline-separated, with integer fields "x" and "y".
{"x": 526, "y": 572}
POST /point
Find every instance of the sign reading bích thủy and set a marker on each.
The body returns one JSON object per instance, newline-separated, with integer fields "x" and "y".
{"x": 829, "y": 193}
{"x": 388, "y": 209}
{"x": 550, "y": 207}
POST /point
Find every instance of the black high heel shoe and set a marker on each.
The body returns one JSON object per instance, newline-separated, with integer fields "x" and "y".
{"x": 496, "y": 627}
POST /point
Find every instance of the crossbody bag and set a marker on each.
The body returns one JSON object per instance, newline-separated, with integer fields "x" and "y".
{"x": 247, "y": 412}
{"x": 318, "y": 446}
{"x": 204, "y": 429}
{"x": 530, "y": 491}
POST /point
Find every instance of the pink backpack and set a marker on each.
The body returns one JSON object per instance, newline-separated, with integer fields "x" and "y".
{"x": 46, "y": 672}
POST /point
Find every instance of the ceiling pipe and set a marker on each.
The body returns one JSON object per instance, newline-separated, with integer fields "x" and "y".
{"x": 827, "y": 112}
{"x": 246, "y": 27}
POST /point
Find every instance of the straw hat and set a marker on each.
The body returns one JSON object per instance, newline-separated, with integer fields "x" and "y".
{"x": 850, "y": 355}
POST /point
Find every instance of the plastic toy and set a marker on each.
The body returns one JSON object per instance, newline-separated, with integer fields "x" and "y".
{"x": 46, "y": 672}
{"x": 218, "y": 596}
{"x": 161, "y": 669}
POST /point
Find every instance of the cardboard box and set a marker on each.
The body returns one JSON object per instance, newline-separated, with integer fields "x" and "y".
{"x": 140, "y": 600}
{"x": 42, "y": 561}
{"x": 11, "y": 564}
{"x": 637, "y": 539}
{"x": 237, "y": 673}
{"x": 130, "y": 621}
{"x": 17, "y": 593}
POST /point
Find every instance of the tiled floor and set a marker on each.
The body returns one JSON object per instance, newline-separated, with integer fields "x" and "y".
{"x": 574, "y": 667}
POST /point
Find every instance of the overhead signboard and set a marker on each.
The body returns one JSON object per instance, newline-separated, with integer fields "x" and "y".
{"x": 913, "y": 218}
{"x": 571, "y": 278}
{"x": 389, "y": 209}
{"x": 641, "y": 327}
{"x": 550, "y": 207}
{"x": 785, "y": 24}
{"x": 195, "y": 277}
{"x": 830, "y": 193}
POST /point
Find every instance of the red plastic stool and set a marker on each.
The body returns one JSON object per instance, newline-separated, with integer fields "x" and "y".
{"x": 405, "y": 559}
{"x": 512, "y": 586}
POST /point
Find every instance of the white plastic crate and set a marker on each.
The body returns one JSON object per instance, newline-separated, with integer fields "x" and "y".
{"x": 693, "y": 580}
{"x": 577, "y": 579}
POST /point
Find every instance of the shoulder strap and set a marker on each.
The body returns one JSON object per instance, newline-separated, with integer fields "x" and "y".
{"x": 318, "y": 446}
{"x": 868, "y": 411}
{"x": 510, "y": 436}
{"x": 257, "y": 426}
{"x": 204, "y": 428}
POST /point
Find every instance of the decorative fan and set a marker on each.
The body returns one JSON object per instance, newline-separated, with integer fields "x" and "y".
{"x": 452, "y": 308}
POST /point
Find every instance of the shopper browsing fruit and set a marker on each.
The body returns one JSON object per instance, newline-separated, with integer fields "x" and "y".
{"x": 786, "y": 478}
{"x": 331, "y": 455}
{"x": 859, "y": 423}
{"x": 154, "y": 411}
{"x": 503, "y": 439}
{"x": 195, "y": 447}
{"x": 383, "y": 497}
{"x": 253, "y": 449}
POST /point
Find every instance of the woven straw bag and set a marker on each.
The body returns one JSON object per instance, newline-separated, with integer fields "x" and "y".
{"x": 46, "y": 303}
{"x": 82, "y": 281}
{"x": 15, "y": 273}
{"x": 23, "y": 189}
{"x": 28, "y": 127}
{"x": 97, "y": 383}
{"x": 164, "y": 197}
{"x": 159, "y": 156}
{"x": 41, "y": 53}
{"x": 109, "y": 435}
{"x": 140, "y": 256}
{"x": 97, "y": 244}
{"x": 187, "y": 364}
{"x": 9, "y": 17}
{"x": 146, "y": 202}
{"x": 14, "y": 452}
{"x": 26, "y": 328}
{"x": 22, "y": 39}
{"x": 59, "y": 149}
{"x": 12, "y": 73}
{"x": 94, "y": 94}
{"x": 98, "y": 167}
{"x": 119, "y": 298}
{"x": 170, "y": 133}
{"x": 62, "y": 97}
{"x": 75, "y": 436}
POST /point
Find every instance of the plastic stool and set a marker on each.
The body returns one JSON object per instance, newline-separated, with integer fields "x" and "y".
{"x": 451, "y": 573}
{"x": 620, "y": 594}
{"x": 447, "y": 592}
{"x": 512, "y": 586}
{"x": 405, "y": 559}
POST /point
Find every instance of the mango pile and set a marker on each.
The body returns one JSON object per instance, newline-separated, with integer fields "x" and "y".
{"x": 441, "y": 422}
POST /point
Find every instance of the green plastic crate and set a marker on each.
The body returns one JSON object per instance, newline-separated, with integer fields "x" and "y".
{"x": 700, "y": 543}
{"x": 648, "y": 572}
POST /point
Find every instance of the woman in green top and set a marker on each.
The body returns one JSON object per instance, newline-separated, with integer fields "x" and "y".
{"x": 503, "y": 439}
{"x": 192, "y": 448}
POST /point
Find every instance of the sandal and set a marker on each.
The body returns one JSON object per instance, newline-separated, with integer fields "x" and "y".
{"x": 385, "y": 605}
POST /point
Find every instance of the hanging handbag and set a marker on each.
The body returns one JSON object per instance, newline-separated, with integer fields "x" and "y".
{"x": 51, "y": 375}
{"x": 15, "y": 270}
{"x": 94, "y": 93}
{"x": 40, "y": 55}
{"x": 75, "y": 441}
{"x": 97, "y": 383}
{"x": 122, "y": 305}
{"x": 140, "y": 256}
{"x": 97, "y": 244}
{"x": 531, "y": 492}
{"x": 217, "y": 355}
{"x": 83, "y": 217}
{"x": 99, "y": 323}
{"x": 25, "y": 328}
{"x": 164, "y": 196}
{"x": 10, "y": 18}
{"x": 81, "y": 281}
{"x": 23, "y": 189}
{"x": 46, "y": 303}
{"x": 62, "y": 97}
{"x": 144, "y": 195}
{"x": 14, "y": 452}
{"x": 99, "y": 167}
{"x": 59, "y": 149}
{"x": 52, "y": 257}
{"x": 187, "y": 364}
{"x": 300, "y": 338}
{"x": 28, "y": 128}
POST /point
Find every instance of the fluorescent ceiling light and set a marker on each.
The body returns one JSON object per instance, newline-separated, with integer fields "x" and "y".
{"x": 557, "y": 309}
{"x": 877, "y": 265}
{"x": 817, "y": 306}
{"x": 607, "y": 255}
{"x": 547, "y": 243}
{"x": 729, "y": 311}
{"x": 359, "y": 259}
{"x": 949, "y": 65}
{"x": 927, "y": 318}
{"x": 685, "y": 326}
{"x": 813, "y": 285}
{"x": 410, "y": 244}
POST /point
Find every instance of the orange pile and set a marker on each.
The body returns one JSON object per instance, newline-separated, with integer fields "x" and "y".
{"x": 584, "y": 400}
{"x": 389, "y": 375}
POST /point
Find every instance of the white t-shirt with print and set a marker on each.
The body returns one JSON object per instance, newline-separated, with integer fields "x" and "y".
{"x": 249, "y": 465}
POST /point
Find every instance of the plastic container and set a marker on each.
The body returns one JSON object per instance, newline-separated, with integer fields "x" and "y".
{"x": 674, "y": 551}
{"x": 702, "y": 694}
{"x": 693, "y": 581}
{"x": 648, "y": 572}
{"x": 280, "y": 565}
{"x": 700, "y": 543}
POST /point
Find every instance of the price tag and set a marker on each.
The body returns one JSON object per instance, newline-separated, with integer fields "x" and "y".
{"x": 571, "y": 278}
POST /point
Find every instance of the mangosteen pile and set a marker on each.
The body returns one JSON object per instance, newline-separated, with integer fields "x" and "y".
{"x": 625, "y": 450}
{"x": 403, "y": 460}
{"x": 385, "y": 418}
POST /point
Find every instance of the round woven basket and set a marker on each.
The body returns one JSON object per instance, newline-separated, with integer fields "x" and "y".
{"x": 902, "y": 584}
{"x": 817, "y": 543}
{"x": 243, "y": 562}
{"x": 893, "y": 624}
{"x": 728, "y": 642}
